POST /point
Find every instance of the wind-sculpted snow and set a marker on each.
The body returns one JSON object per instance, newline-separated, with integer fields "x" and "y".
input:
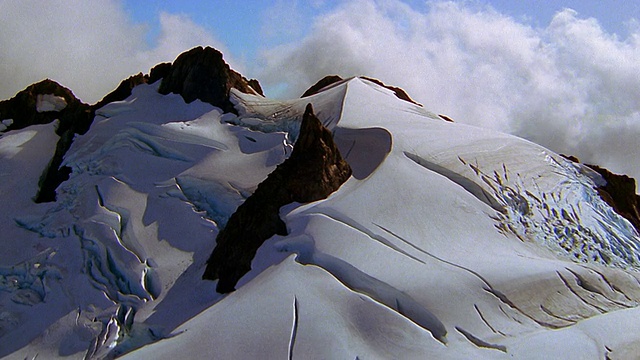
{"x": 360, "y": 282}
{"x": 363, "y": 149}
{"x": 466, "y": 183}
{"x": 448, "y": 242}
{"x": 271, "y": 115}
{"x": 11, "y": 144}
{"x": 332, "y": 321}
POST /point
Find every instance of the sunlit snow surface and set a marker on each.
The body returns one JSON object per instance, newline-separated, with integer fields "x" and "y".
{"x": 448, "y": 241}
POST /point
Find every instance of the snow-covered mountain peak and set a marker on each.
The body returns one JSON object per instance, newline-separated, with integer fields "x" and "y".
{"x": 445, "y": 241}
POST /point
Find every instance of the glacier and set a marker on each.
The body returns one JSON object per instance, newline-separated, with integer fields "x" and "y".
{"x": 448, "y": 241}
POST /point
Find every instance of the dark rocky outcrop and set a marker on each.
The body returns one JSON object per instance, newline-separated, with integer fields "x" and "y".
{"x": 445, "y": 118}
{"x": 158, "y": 72}
{"x": 400, "y": 94}
{"x": 201, "y": 73}
{"x": 123, "y": 90}
{"x": 255, "y": 85}
{"x": 331, "y": 79}
{"x": 23, "y": 109}
{"x": 571, "y": 158}
{"x": 620, "y": 194}
{"x": 74, "y": 117}
{"x": 314, "y": 170}
{"x": 125, "y": 87}
{"x": 322, "y": 83}
{"x": 53, "y": 175}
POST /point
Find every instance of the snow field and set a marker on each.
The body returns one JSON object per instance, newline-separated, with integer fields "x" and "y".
{"x": 448, "y": 242}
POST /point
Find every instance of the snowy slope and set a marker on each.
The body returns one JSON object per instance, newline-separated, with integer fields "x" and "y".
{"x": 448, "y": 241}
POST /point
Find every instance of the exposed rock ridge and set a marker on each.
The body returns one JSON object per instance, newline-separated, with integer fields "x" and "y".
{"x": 201, "y": 73}
{"x": 331, "y": 79}
{"x": 125, "y": 87}
{"x": 400, "y": 93}
{"x": 28, "y": 108}
{"x": 620, "y": 194}
{"x": 322, "y": 83}
{"x": 23, "y": 108}
{"x": 445, "y": 118}
{"x": 314, "y": 170}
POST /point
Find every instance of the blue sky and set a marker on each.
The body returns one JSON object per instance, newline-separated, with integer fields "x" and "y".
{"x": 245, "y": 27}
{"x": 613, "y": 15}
{"x": 241, "y": 24}
{"x": 563, "y": 74}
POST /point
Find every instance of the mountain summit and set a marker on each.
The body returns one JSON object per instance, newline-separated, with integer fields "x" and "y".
{"x": 351, "y": 223}
{"x": 201, "y": 73}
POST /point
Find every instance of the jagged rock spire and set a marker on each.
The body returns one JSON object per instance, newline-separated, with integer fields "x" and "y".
{"x": 201, "y": 73}
{"x": 314, "y": 170}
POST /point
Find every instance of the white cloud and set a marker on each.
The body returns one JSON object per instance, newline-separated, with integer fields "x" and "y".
{"x": 69, "y": 41}
{"x": 179, "y": 33}
{"x": 569, "y": 86}
{"x": 282, "y": 20}
{"x": 88, "y": 47}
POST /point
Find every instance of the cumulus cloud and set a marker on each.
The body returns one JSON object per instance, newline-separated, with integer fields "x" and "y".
{"x": 87, "y": 46}
{"x": 282, "y": 20}
{"x": 569, "y": 85}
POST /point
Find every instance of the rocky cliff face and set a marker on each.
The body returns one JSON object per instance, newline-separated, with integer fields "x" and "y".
{"x": 201, "y": 73}
{"x": 314, "y": 170}
{"x": 620, "y": 194}
{"x": 42, "y": 103}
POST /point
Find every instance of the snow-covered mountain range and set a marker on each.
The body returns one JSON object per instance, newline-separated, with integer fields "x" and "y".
{"x": 351, "y": 223}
